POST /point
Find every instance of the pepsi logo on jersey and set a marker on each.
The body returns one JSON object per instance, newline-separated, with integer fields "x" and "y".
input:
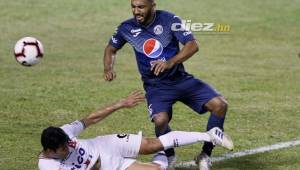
{"x": 152, "y": 48}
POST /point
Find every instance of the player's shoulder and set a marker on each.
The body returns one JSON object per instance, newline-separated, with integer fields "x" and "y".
{"x": 165, "y": 14}
{"x": 128, "y": 22}
{"x": 47, "y": 163}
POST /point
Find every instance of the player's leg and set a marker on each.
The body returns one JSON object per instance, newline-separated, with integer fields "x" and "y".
{"x": 201, "y": 97}
{"x": 161, "y": 123}
{"x": 117, "y": 149}
{"x": 167, "y": 141}
{"x": 218, "y": 108}
{"x": 160, "y": 100}
{"x": 181, "y": 138}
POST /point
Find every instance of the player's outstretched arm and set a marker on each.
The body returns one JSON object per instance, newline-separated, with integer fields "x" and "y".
{"x": 189, "y": 49}
{"x": 108, "y": 62}
{"x": 133, "y": 99}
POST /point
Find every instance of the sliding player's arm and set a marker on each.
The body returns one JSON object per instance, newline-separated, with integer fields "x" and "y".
{"x": 131, "y": 100}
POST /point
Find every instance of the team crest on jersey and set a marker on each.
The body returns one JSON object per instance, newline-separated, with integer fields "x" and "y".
{"x": 158, "y": 29}
{"x": 152, "y": 48}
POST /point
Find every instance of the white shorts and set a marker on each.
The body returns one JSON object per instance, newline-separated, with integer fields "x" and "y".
{"x": 117, "y": 152}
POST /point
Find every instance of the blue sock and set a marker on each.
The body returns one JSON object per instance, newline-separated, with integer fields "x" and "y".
{"x": 171, "y": 151}
{"x": 213, "y": 121}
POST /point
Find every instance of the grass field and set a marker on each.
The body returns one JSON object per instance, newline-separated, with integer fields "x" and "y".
{"x": 255, "y": 66}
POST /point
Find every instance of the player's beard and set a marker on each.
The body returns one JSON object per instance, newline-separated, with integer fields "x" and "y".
{"x": 146, "y": 19}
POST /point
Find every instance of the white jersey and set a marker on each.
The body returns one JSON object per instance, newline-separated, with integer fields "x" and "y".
{"x": 113, "y": 151}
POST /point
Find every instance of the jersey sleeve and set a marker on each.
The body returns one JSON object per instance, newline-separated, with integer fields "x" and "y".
{"x": 117, "y": 39}
{"x": 73, "y": 129}
{"x": 182, "y": 34}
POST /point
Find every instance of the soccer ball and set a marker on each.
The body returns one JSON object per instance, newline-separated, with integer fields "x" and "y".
{"x": 28, "y": 51}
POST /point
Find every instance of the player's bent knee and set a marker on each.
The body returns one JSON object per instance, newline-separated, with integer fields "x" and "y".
{"x": 221, "y": 109}
{"x": 223, "y": 106}
{"x": 218, "y": 105}
{"x": 161, "y": 119}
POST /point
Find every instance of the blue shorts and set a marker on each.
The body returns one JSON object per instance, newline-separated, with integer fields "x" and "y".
{"x": 192, "y": 92}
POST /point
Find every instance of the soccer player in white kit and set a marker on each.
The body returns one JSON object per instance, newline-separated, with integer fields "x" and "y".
{"x": 63, "y": 151}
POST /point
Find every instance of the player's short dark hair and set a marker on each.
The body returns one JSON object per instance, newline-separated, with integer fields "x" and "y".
{"x": 53, "y": 138}
{"x": 151, "y": 1}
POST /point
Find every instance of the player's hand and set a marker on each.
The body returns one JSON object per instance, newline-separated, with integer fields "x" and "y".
{"x": 134, "y": 98}
{"x": 160, "y": 66}
{"x": 109, "y": 75}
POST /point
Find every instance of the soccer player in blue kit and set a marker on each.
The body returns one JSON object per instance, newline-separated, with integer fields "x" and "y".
{"x": 155, "y": 36}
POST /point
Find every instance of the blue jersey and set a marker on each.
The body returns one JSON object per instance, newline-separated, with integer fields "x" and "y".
{"x": 156, "y": 41}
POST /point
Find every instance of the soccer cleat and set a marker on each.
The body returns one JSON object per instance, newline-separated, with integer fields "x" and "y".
{"x": 171, "y": 162}
{"x": 218, "y": 137}
{"x": 203, "y": 161}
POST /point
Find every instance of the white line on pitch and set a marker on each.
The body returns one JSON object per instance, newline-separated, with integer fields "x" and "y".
{"x": 244, "y": 153}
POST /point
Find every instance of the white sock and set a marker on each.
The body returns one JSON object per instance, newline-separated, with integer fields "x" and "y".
{"x": 181, "y": 138}
{"x": 161, "y": 159}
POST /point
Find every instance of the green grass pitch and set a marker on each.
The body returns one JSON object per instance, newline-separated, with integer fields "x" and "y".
{"x": 255, "y": 66}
